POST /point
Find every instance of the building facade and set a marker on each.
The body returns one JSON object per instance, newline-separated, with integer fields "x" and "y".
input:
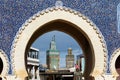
{"x": 33, "y": 64}
{"x": 53, "y": 56}
{"x": 70, "y": 59}
{"x": 81, "y": 62}
{"x": 92, "y": 23}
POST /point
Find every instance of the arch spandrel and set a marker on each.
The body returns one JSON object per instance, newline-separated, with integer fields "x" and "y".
{"x": 92, "y": 34}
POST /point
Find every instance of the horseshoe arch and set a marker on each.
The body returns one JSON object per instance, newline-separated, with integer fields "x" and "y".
{"x": 54, "y": 19}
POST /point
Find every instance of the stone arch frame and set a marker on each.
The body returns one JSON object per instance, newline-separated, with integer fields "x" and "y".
{"x": 5, "y": 61}
{"x": 60, "y": 13}
{"x": 113, "y": 59}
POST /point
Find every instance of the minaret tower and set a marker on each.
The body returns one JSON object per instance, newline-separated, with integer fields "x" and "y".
{"x": 53, "y": 57}
{"x": 69, "y": 59}
{"x": 53, "y": 44}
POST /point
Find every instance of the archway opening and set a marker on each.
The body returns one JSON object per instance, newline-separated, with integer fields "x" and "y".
{"x": 65, "y": 52}
{"x": 117, "y": 64}
{"x": 1, "y": 65}
{"x": 73, "y": 31}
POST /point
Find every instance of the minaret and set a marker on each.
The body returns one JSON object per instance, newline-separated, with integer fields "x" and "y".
{"x": 69, "y": 59}
{"x": 53, "y": 44}
{"x": 53, "y": 57}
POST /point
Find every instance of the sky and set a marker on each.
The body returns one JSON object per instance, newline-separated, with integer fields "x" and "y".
{"x": 63, "y": 42}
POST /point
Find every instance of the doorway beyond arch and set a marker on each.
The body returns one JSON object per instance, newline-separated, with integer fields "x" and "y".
{"x": 70, "y": 22}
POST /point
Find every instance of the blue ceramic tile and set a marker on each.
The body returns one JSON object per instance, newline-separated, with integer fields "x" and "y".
{"x": 13, "y": 13}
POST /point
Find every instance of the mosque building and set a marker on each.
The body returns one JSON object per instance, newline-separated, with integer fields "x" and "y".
{"x": 53, "y": 56}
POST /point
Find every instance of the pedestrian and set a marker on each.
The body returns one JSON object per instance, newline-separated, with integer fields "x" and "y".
{"x": 77, "y": 73}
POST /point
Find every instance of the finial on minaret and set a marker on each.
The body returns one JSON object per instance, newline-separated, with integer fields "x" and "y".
{"x": 59, "y": 3}
{"x": 53, "y": 43}
{"x": 53, "y": 38}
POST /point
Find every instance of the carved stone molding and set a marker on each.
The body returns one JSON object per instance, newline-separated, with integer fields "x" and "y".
{"x": 5, "y": 61}
{"x": 58, "y": 12}
{"x": 113, "y": 59}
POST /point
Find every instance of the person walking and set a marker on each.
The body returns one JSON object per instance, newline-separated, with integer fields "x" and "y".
{"x": 77, "y": 73}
